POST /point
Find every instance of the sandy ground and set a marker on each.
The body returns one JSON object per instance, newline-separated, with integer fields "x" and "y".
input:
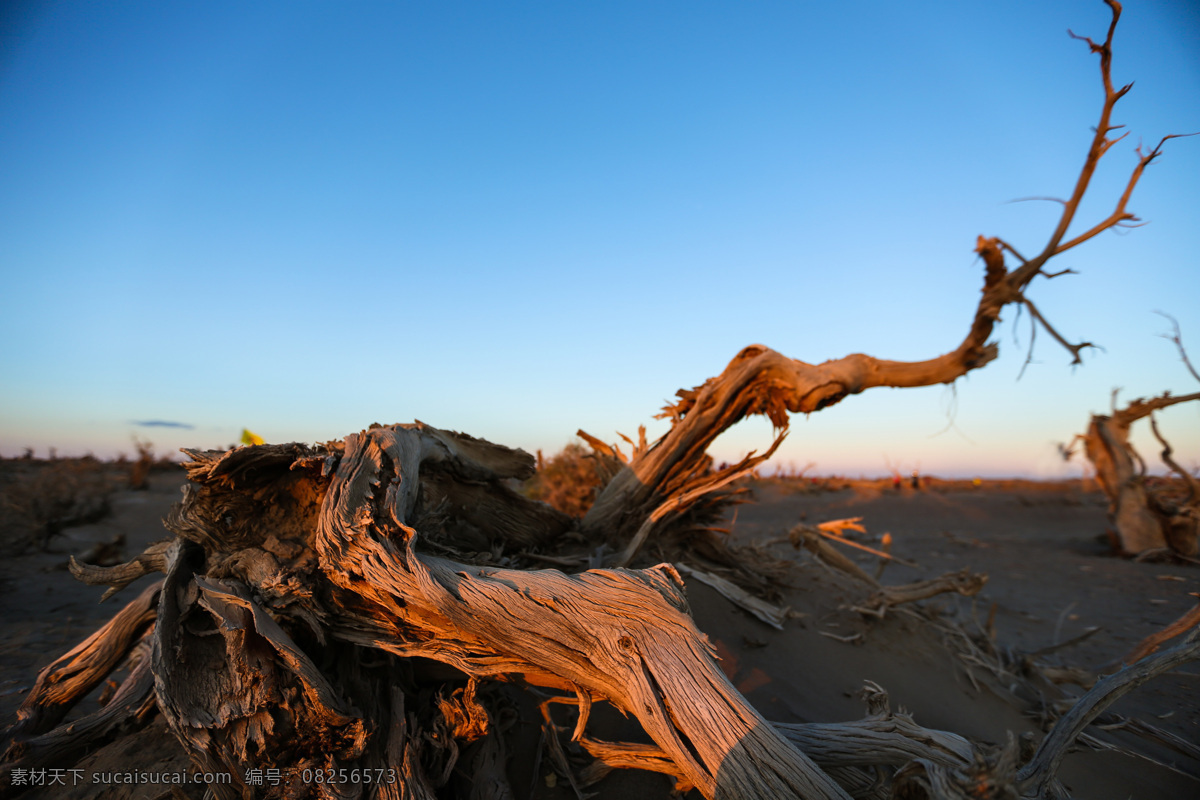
{"x": 1050, "y": 578}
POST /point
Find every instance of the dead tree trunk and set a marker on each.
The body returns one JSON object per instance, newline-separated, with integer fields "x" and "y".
{"x": 1145, "y": 518}
{"x": 308, "y": 590}
{"x": 288, "y": 558}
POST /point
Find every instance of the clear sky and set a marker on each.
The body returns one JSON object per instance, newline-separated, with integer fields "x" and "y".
{"x": 518, "y": 219}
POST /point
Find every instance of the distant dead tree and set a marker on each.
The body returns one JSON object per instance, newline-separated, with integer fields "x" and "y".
{"x": 309, "y": 589}
{"x": 1148, "y": 517}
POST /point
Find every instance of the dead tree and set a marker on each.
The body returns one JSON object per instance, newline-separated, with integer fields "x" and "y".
{"x": 659, "y": 484}
{"x": 314, "y": 598}
{"x": 1147, "y": 517}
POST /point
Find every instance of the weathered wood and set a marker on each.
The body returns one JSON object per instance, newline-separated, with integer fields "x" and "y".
{"x": 235, "y": 688}
{"x": 624, "y": 635}
{"x": 809, "y": 537}
{"x": 240, "y": 691}
{"x": 403, "y": 755}
{"x": 963, "y": 582}
{"x": 1188, "y": 620}
{"x": 118, "y": 577}
{"x": 856, "y": 754}
{"x": 893, "y": 740}
{"x": 61, "y": 684}
{"x": 990, "y": 774}
{"x": 1141, "y": 522}
{"x": 1036, "y": 778}
{"x": 127, "y": 710}
{"x": 766, "y": 612}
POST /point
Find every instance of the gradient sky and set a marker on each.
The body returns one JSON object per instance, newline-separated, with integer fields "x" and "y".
{"x": 518, "y": 219}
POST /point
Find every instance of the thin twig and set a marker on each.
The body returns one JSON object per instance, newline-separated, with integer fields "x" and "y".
{"x": 1012, "y": 250}
{"x": 1061, "y": 272}
{"x": 849, "y": 543}
{"x": 1074, "y": 349}
{"x": 1177, "y": 338}
{"x": 1189, "y": 481}
{"x": 1074, "y": 640}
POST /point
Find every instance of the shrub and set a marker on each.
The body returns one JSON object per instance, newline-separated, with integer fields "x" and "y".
{"x": 39, "y": 499}
{"x": 567, "y": 481}
{"x": 139, "y": 471}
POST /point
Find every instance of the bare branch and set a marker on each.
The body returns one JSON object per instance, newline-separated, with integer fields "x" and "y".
{"x": 1177, "y": 338}
{"x": 768, "y": 613}
{"x": 761, "y": 381}
{"x": 1032, "y": 340}
{"x": 963, "y": 582}
{"x": 1067, "y": 271}
{"x": 121, "y": 575}
{"x": 601, "y": 446}
{"x": 1100, "y": 141}
{"x": 1192, "y": 484}
{"x": 1035, "y": 777}
{"x": 1143, "y": 408}
{"x": 1120, "y": 216}
{"x": 1005, "y": 245}
{"x": 1073, "y": 349}
{"x": 1058, "y": 200}
{"x": 679, "y": 503}
{"x": 68, "y": 679}
{"x": 1189, "y": 620}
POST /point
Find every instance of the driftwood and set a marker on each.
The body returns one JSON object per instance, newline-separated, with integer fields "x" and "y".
{"x": 963, "y": 582}
{"x": 347, "y": 606}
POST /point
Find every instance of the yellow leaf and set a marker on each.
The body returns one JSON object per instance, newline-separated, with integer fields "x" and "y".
{"x": 249, "y": 437}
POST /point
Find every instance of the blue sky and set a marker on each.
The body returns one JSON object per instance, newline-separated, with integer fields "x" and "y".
{"x": 519, "y": 219}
